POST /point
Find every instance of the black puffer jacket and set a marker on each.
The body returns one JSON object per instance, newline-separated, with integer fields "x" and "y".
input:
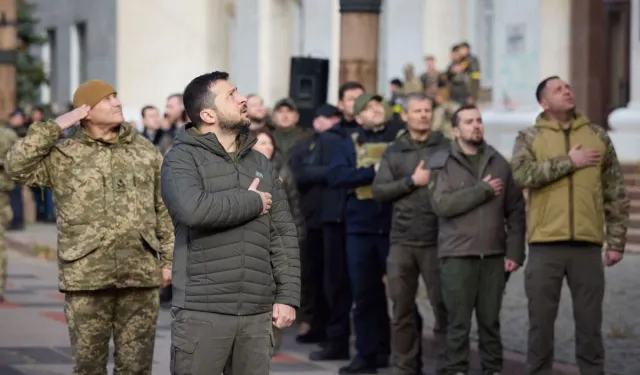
{"x": 228, "y": 258}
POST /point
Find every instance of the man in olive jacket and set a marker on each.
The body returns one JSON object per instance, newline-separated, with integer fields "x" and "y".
{"x": 482, "y": 221}
{"x": 577, "y": 201}
{"x": 237, "y": 269}
{"x": 402, "y": 178}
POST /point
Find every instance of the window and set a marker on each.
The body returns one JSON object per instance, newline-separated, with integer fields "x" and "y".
{"x": 78, "y": 60}
{"x": 48, "y": 54}
{"x": 484, "y": 50}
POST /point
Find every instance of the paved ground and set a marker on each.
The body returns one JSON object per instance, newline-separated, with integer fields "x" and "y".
{"x": 33, "y": 334}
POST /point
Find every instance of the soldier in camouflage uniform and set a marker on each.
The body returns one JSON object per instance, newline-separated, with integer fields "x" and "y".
{"x": 576, "y": 188}
{"x": 115, "y": 237}
{"x": 7, "y": 138}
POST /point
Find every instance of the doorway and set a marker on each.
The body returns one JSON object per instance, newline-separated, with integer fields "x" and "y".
{"x": 617, "y": 25}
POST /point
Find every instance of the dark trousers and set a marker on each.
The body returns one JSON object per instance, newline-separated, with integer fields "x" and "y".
{"x": 337, "y": 287}
{"x": 205, "y": 343}
{"x": 404, "y": 267}
{"x": 43, "y": 198}
{"x": 17, "y": 206}
{"x": 546, "y": 269}
{"x": 367, "y": 258}
{"x": 313, "y": 309}
{"x": 468, "y": 284}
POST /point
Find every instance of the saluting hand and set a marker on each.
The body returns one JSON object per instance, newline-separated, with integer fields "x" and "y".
{"x": 71, "y": 118}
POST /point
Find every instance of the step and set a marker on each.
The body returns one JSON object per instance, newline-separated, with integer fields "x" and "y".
{"x": 633, "y": 236}
{"x": 634, "y": 220}
{"x": 633, "y": 248}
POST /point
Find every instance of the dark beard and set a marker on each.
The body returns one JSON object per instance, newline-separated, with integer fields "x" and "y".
{"x": 234, "y": 127}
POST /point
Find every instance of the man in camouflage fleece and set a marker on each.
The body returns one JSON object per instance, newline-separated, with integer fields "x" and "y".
{"x": 7, "y": 138}
{"x": 115, "y": 237}
{"x": 576, "y": 189}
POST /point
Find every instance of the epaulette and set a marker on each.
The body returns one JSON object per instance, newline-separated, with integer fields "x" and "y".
{"x": 438, "y": 160}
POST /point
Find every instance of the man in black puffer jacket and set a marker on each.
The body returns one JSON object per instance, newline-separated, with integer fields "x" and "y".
{"x": 237, "y": 270}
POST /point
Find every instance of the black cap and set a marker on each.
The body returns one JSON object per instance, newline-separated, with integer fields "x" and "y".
{"x": 327, "y": 110}
{"x": 285, "y": 102}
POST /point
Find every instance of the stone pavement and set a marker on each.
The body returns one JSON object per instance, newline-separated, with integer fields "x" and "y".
{"x": 34, "y": 303}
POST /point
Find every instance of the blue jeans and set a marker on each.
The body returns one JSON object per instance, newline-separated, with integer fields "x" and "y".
{"x": 367, "y": 258}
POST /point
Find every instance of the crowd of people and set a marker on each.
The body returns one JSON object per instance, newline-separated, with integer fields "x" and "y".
{"x": 257, "y": 221}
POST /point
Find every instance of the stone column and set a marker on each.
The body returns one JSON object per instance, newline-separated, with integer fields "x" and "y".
{"x": 359, "y": 37}
{"x": 8, "y": 44}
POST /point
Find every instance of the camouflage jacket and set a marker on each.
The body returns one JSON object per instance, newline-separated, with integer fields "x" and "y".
{"x": 7, "y": 138}
{"x": 566, "y": 203}
{"x": 112, "y": 223}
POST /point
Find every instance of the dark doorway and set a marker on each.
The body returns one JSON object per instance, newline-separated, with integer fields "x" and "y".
{"x": 617, "y": 27}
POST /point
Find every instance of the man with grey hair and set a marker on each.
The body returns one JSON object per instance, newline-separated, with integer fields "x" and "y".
{"x": 237, "y": 270}
{"x": 402, "y": 179}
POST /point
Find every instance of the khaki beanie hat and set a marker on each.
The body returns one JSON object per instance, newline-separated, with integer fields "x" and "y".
{"x": 91, "y": 93}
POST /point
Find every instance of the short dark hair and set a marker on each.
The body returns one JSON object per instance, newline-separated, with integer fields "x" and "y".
{"x": 197, "y": 95}
{"x": 397, "y": 82}
{"x": 145, "y": 108}
{"x": 349, "y": 85}
{"x": 455, "y": 47}
{"x": 543, "y": 85}
{"x": 455, "y": 118}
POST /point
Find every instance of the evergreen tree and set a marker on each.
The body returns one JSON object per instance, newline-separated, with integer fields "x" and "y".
{"x": 30, "y": 74}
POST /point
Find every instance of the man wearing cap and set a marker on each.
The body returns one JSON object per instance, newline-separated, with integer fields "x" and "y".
{"x": 354, "y": 167}
{"x": 115, "y": 237}
{"x": 287, "y": 132}
{"x": 310, "y": 176}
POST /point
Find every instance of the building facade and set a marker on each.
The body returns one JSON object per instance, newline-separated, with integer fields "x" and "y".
{"x": 152, "y": 48}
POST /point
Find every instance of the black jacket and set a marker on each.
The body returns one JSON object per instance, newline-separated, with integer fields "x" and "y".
{"x": 414, "y": 222}
{"x": 305, "y": 163}
{"x": 228, "y": 258}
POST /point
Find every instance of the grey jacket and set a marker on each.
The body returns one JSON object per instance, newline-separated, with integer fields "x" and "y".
{"x": 472, "y": 220}
{"x": 228, "y": 258}
{"x": 414, "y": 222}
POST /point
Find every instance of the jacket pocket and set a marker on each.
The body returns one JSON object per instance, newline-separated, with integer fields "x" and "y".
{"x": 182, "y": 354}
{"x": 78, "y": 241}
{"x": 80, "y": 197}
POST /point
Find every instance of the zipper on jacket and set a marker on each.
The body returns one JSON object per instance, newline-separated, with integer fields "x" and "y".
{"x": 567, "y": 143}
{"x": 235, "y": 166}
{"x": 480, "y": 170}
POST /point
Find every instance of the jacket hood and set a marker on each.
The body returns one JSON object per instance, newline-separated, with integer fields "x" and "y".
{"x": 191, "y": 136}
{"x": 126, "y": 134}
{"x": 435, "y": 138}
{"x": 578, "y": 121}
{"x": 343, "y": 127}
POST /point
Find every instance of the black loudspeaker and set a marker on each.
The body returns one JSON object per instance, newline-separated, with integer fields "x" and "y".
{"x": 309, "y": 81}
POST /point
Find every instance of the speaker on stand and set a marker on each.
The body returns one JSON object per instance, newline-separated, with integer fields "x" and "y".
{"x": 309, "y": 82}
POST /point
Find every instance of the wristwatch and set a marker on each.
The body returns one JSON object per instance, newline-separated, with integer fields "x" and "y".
{"x": 410, "y": 182}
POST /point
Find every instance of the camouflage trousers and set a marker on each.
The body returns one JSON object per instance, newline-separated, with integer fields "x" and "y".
{"x": 5, "y": 218}
{"x": 130, "y": 314}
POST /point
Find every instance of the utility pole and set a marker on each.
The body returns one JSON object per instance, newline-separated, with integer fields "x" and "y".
{"x": 359, "y": 40}
{"x": 8, "y": 52}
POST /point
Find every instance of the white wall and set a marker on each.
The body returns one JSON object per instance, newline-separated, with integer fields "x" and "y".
{"x": 625, "y": 122}
{"x": 160, "y": 48}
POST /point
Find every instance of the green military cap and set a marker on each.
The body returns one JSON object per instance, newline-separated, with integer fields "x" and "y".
{"x": 363, "y": 100}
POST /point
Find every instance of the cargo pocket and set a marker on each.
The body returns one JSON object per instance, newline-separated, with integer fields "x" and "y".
{"x": 182, "y": 353}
